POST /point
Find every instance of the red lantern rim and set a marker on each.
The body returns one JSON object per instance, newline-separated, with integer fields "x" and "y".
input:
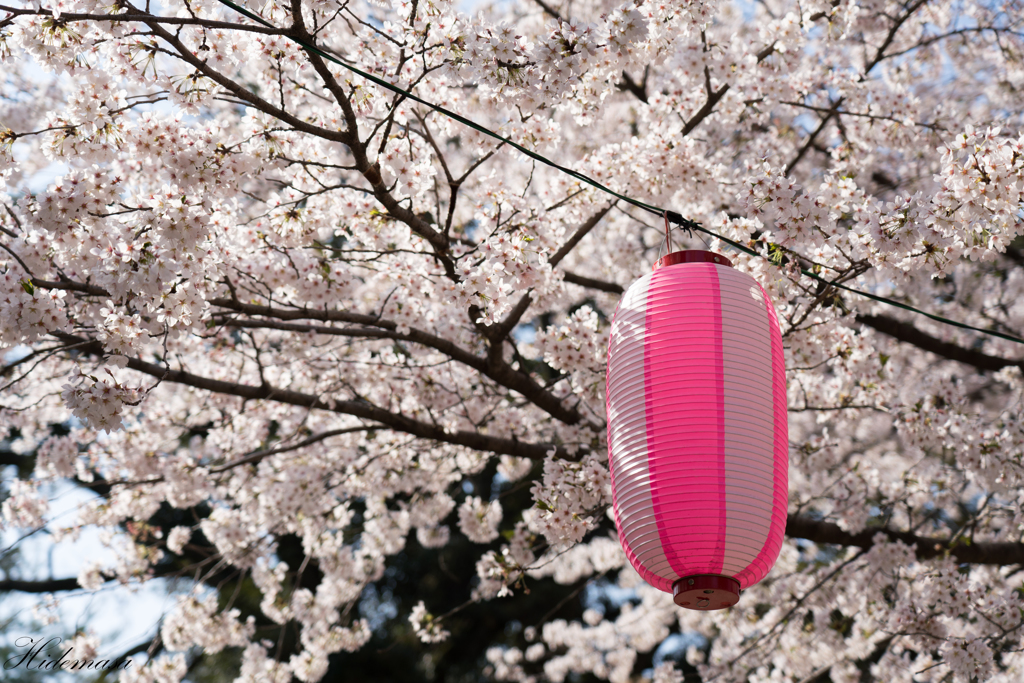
{"x": 705, "y": 592}
{"x": 691, "y": 256}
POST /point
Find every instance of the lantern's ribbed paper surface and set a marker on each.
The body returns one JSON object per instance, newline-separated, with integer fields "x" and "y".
{"x": 697, "y": 428}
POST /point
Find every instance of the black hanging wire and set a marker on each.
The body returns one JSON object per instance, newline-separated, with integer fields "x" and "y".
{"x": 672, "y": 217}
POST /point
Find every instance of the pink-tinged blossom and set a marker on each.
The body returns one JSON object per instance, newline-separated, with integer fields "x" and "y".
{"x": 426, "y": 626}
{"x": 99, "y": 401}
{"x": 178, "y": 537}
{"x": 198, "y": 622}
{"x": 478, "y": 520}
{"x": 25, "y": 506}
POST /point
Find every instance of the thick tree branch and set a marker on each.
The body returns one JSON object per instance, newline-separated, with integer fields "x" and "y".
{"x": 70, "y": 584}
{"x": 800, "y": 526}
{"x": 70, "y": 286}
{"x": 591, "y": 283}
{"x": 580, "y": 233}
{"x": 360, "y": 409}
{"x": 638, "y": 90}
{"x": 41, "y": 586}
{"x": 9, "y": 457}
{"x": 905, "y": 332}
{"x": 499, "y": 372}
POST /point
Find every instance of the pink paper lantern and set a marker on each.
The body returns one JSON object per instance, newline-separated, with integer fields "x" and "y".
{"x": 697, "y": 431}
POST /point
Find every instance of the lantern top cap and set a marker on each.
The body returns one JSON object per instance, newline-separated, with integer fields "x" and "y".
{"x": 691, "y": 256}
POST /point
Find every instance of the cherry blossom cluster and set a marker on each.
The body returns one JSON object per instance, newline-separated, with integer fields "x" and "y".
{"x": 568, "y": 495}
{"x": 426, "y": 626}
{"x": 27, "y": 313}
{"x": 507, "y": 266}
{"x": 99, "y": 401}
{"x": 478, "y": 520}
{"x": 25, "y": 506}
{"x": 200, "y": 622}
{"x": 57, "y": 457}
{"x": 982, "y": 191}
{"x": 427, "y": 513}
{"x": 578, "y": 348}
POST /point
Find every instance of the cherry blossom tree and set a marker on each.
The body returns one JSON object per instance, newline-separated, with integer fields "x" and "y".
{"x": 314, "y": 346}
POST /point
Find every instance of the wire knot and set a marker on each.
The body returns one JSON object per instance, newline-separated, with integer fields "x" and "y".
{"x": 684, "y": 223}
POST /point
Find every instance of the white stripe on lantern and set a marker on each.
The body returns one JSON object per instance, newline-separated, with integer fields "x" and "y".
{"x": 749, "y": 420}
{"x": 627, "y": 437}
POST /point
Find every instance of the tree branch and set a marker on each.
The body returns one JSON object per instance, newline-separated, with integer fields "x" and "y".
{"x": 551, "y": 11}
{"x": 800, "y": 526}
{"x": 905, "y": 332}
{"x": 43, "y": 586}
{"x": 71, "y": 584}
{"x": 241, "y": 92}
{"x": 9, "y": 457}
{"x": 256, "y": 457}
{"x": 500, "y": 372}
{"x": 829, "y": 113}
{"x": 360, "y": 409}
{"x": 600, "y": 285}
{"x": 709, "y": 105}
{"x": 715, "y": 95}
{"x": 879, "y": 56}
{"x": 497, "y": 333}
{"x": 71, "y": 286}
{"x": 370, "y": 170}
{"x": 580, "y": 233}
{"x": 144, "y": 17}
{"x": 638, "y": 90}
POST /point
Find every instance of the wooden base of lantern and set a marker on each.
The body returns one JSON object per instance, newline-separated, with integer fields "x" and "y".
{"x": 705, "y": 592}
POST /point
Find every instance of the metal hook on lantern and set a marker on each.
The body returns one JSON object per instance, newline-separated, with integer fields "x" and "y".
{"x": 673, "y": 217}
{"x": 687, "y": 255}
{"x": 668, "y": 234}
